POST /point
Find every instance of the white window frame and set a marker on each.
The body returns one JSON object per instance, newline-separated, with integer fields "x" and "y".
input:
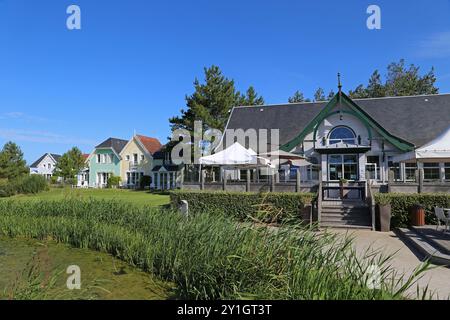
{"x": 438, "y": 167}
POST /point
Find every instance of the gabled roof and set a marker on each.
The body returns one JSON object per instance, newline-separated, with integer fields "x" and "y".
{"x": 415, "y": 119}
{"x": 116, "y": 144}
{"x": 52, "y": 155}
{"x": 152, "y": 145}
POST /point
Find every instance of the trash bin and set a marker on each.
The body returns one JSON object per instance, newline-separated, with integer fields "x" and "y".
{"x": 417, "y": 215}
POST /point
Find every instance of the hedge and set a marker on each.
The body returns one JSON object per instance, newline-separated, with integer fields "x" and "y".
{"x": 402, "y": 202}
{"x": 23, "y": 185}
{"x": 266, "y": 207}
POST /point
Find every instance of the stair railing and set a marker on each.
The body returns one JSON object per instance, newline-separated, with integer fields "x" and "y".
{"x": 370, "y": 200}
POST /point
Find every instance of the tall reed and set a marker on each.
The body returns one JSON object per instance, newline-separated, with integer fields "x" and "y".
{"x": 211, "y": 256}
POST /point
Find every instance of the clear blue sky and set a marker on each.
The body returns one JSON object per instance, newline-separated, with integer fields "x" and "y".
{"x": 133, "y": 62}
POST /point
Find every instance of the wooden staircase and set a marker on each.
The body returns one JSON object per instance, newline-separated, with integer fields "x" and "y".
{"x": 353, "y": 214}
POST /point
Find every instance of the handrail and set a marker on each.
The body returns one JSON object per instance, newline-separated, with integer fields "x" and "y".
{"x": 370, "y": 200}
{"x": 319, "y": 202}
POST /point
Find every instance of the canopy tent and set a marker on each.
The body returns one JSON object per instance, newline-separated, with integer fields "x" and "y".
{"x": 439, "y": 148}
{"x": 233, "y": 156}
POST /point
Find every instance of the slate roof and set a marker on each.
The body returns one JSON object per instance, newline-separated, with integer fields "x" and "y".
{"x": 151, "y": 144}
{"x": 416, "y": 119}
{"x": 36, "y": 163}
{"x": 116, "y": 144}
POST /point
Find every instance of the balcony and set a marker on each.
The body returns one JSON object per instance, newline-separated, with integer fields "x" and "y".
{"x": 133, "y": 165}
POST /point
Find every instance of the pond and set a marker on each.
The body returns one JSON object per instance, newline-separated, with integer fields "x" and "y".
{"x": 33, "y": 269}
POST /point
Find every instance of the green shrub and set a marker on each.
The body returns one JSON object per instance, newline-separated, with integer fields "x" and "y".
{"x": 145, "y": 182}
{"x": 24, "y": 185}
{"x": 113, "y": 182}
{"x": 402, "y": 202}
{"x": 54, "y": 179}
{"x": 269, "y": 207}
{"x": 209, "y": 256}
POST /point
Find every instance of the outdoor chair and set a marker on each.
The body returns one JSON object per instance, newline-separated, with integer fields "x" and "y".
{"x": 440, "y": 215}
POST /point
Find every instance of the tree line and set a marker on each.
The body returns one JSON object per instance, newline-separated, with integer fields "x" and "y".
{"x": 13, "y": 164}
{"x": 213, "y": 99}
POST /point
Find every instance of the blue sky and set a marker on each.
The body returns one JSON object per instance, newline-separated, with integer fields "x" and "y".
{"x": 132, "y": 63}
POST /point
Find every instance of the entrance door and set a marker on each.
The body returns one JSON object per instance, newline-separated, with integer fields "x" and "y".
{"x": 343, "y": 166}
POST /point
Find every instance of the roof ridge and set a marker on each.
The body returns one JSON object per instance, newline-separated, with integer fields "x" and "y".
{"x": 326, "y": 101}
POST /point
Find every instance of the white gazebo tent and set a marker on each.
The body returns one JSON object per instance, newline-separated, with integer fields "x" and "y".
{"x": 439, "y": 148}
{"x": 234, "y": 158}
{"x": 234, "y": 155}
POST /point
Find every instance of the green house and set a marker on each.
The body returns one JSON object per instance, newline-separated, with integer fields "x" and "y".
{"x": 104, "y": 162}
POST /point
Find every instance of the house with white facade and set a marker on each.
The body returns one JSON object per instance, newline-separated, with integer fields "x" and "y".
{"x": 45, "y": 165}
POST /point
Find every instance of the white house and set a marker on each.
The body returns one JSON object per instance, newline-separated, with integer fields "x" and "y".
{"x": 45, "y": 165}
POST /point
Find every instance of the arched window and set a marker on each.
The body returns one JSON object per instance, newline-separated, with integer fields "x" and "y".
{"x": 342, "y": 134}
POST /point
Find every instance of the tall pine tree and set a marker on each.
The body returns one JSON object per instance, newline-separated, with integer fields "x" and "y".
{"x": 212, "y": 101}
{"x": 298, "y": 97}
{"x": 319, "y": 95}
{"x": 401, "y": 80}
{"x": 12, "y": 164}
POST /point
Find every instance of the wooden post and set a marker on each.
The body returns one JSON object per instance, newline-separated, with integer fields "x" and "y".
{"x": 202, "y": 180}
{"x": 421, "y": 180}
{"x": 298, "y": 180}
{"x": 181, "y": 178}
{"x": 272, "y": 181}
{"x": 248, "y": 181}
{"x": 390, "y": 179}
{"x": 224, "y": 180}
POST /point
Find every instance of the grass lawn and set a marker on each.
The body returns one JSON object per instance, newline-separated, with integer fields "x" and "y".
{"x": 135, "y": 197}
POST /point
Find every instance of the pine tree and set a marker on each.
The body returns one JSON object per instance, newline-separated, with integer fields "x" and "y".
{"x": 251, "y": 98}
{"x": 331, "y": 95}
{"x": 375, "y": 88}
{"x": 298, "y": 97}
{"x": 359, "y": 93}
{"x": 319, "y": 95}
{"x": 12, "y": 164}
{"x": 212, "y": 101}
{"x": 400, "y": 81}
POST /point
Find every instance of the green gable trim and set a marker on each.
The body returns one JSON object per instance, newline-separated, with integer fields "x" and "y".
{"x": 351, "y": 112}
{"x": 297, "y": 140}
{"x": 359, "y": 113}
{"x": 399, "y": 143}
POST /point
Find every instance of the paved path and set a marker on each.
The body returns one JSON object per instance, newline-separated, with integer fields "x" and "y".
{"x": 404, "y": 261}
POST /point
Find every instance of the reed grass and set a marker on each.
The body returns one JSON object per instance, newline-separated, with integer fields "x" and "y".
{"x": 210, "y": 256}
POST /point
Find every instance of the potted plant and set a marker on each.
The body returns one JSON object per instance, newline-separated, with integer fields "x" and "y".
{"x": 383, "y": 214}
{"x": 343, "y": 183}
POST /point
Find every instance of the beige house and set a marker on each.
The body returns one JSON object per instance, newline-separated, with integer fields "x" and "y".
{"x": 137, "y": 159}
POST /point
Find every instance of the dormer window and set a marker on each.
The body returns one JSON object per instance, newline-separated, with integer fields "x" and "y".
{"x": 342, "y": 134}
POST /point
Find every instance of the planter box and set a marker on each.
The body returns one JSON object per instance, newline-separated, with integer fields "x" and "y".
{"x": 383, "y": 218}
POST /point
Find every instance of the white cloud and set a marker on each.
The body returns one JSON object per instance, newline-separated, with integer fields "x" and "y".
{"x": 42, "y": 137}
{"x": 435, "y": 46}
{"x": 17, "y": 115}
